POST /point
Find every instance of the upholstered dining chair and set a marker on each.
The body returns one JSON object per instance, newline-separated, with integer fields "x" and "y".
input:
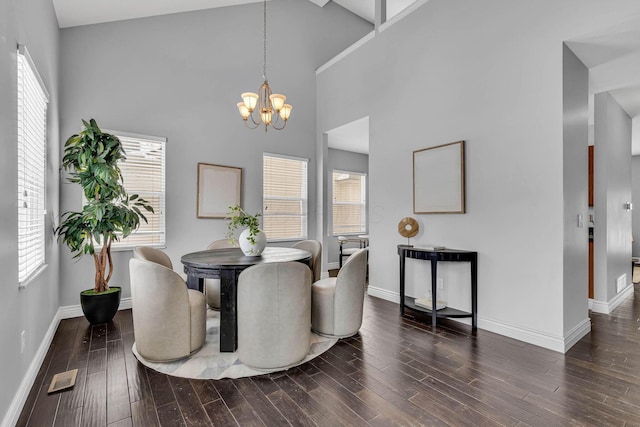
{"x": 336, "y": 302}
{"x": 274, "y": 314}
{"x": 156, "y": 255}
{"x": 315, "y": 248}
{"x": 152, "y": 254}
{"x": 212, "y": 286}
{"x": 169, "y": 320}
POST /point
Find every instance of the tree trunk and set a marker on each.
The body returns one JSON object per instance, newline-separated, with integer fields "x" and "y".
{"x": 101, "y": 260}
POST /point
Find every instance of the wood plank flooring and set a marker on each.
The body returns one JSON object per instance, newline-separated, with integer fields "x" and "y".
{"x": 395, "y": 372}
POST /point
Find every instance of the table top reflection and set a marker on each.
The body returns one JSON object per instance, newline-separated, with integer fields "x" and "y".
{"x": 233, "y": 257}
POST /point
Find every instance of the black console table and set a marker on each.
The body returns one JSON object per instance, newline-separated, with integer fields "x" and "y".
{"x": 434, "y": 256}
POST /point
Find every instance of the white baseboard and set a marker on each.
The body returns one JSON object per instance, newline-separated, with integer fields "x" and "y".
{"x": 333, "y": 265}
{"x": 19, "y": 399}
{"x": 552, "y": 342}
{"x": 531, "y": 336}
{"x": 384, "y": 294}
{"x": 605, "y": 307}
{"x": 599, "y": 306}
{"x": 576, "y": 334}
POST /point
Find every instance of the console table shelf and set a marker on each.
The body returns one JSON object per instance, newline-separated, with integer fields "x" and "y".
{"x": 409, "y": 302}
{"x": 435, "y": 255}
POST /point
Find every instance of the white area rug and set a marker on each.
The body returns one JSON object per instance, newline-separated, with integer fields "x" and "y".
{"x": 209, "y": 363}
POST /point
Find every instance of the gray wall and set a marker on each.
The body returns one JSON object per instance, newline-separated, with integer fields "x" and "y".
{"x": 490, "y": 76}
{"x": 33, "y": 308}
{"x": 612, "y": 181}
{"x": 346, "y": 161}
{"x": 180, "y": 77}
{"x": 575, "y": 174}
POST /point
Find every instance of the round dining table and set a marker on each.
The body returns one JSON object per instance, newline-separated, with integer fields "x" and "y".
{"x": 226, "y": 265}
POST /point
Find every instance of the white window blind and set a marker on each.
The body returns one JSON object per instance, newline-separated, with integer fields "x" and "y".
{"x": 143, "y": 173}
{"x": 349, "y": 202}
{"x": 284, "y": 199}
{"x": 32, "y": 137}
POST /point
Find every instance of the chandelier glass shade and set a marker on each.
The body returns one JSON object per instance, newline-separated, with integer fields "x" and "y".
{"x": 270, "y": 108}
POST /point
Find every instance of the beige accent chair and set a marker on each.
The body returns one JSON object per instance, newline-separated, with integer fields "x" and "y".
{"x": 169, "y": 320}
{"x": 274, "y": 314}
{"x": 212, "y": 286}
{"x": 152, "y": 254}
{"x": 315, "y": 248}
{"x": 148, "y": 253}
{"x": 336, "y": 309}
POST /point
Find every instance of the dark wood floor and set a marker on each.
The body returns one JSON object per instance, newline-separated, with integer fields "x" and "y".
{"x": 395, "y": 372}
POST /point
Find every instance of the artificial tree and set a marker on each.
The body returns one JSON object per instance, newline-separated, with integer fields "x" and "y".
{"x": 109, "y": 213}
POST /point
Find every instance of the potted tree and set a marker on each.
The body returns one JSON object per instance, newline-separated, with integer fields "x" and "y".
{"x": 108, "y": 215}
{"x": 252, "y": 240}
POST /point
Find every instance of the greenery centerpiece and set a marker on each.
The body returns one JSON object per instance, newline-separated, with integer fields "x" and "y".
{"x": 252, "y": 240}
{"x": 109, "y": 213}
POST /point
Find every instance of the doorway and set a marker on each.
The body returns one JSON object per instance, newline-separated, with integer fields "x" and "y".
{"x": 346, "y": 167}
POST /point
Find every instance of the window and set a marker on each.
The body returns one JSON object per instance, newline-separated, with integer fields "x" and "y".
{"x": 349, "y": 202}
{"x": 284, "y": 200}
{"x": 143, "y": 173}
{"x": 32, "y": 153}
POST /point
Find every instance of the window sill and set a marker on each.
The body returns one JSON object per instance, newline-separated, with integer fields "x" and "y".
{"x": 32, "y": 276}
{"x": 130, "y": 248}
{"x": 287, "y": 239}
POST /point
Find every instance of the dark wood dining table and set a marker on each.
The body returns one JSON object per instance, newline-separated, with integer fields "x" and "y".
{"x": 226, "y": 265}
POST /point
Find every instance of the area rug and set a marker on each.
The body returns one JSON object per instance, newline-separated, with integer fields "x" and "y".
{"x": 209, "y": 363}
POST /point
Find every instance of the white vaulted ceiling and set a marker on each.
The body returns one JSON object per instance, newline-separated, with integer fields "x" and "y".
{"x": 72, "y": 13}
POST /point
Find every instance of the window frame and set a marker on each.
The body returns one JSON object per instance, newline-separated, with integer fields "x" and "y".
{"x": 122, "y": 244}
{"x": 362, "y": 204}
{"x": 26, "y": 165}
{"x": 304, "y": 200}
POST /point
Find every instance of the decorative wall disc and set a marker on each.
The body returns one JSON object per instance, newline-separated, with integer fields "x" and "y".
{"x": 408, "y": 227}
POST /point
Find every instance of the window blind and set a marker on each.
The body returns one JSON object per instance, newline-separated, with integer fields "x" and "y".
{"x": 32, "y": 137}
{"x": 349, "y": 202}
{"x": 284, "y": 203}
{"x": 143, "y": 173}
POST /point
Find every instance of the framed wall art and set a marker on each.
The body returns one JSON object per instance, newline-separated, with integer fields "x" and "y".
{"x": 218, "y": 188}
{"x": 438, "y": 179}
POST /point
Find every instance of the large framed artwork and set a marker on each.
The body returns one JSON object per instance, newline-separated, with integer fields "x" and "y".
{"x": 218, "y": 188}
{"x": 438, "y": 179}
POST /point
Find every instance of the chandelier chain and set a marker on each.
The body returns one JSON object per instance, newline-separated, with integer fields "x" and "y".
{"x": 264, "y": 67}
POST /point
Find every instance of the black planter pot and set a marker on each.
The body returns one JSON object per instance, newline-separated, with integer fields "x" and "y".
{"x": 100, "y": 308}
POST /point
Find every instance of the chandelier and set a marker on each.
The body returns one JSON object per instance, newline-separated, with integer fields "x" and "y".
{"x": 270, "y": 107}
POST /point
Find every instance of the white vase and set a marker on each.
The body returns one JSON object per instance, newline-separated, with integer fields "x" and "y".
{"x": 252, "y": 249}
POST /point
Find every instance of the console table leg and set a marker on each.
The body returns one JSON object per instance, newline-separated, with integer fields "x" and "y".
{"x": 474, "y": 292}
{"x": 402, "y": 265}
{"x": 434, "y": 291}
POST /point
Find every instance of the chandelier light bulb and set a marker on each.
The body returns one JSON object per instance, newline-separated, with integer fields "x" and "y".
{"x": 285, "y": 112}
{"x": 250, "y": 99}
{"x": 277, "y": 101}
{"x": 266, "y": 114}
{"x": 244, "y": 111}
